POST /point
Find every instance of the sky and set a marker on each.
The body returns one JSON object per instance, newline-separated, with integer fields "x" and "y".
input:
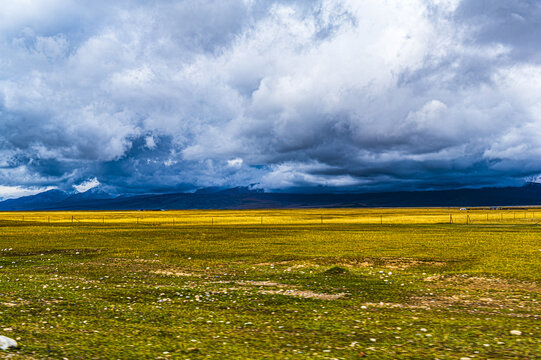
{"x": 321, "y": 95}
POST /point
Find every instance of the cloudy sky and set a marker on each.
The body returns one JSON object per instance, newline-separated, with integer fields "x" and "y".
{"x": 154, "y": 96}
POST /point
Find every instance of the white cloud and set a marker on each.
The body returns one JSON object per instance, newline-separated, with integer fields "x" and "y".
{"x": 87, "y": 185}
{"x": 235, "y": 163}
{"x": 150, "y": 142}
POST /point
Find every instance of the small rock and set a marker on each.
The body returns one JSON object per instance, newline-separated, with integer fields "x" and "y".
{"x": 516, "y": 332}
{"x": 6, "y": 343}
{"x": 465, "y": 358}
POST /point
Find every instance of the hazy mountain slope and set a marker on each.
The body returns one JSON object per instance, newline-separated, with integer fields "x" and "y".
{"x": 241, "y": 198}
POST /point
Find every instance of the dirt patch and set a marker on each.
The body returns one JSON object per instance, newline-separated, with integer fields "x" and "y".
{"x": 279, "y": 289}
{"x": 174, "y": 273}
{"x": 307, "y": 294}
{"x": 262, "y": 283}
{"x": 141, "y": 260}
{"x": 285, "y": 262}
{"x": 248, "y": 283}
{"x": 482, "y": 305}
{"x": 396, "y": 305}
{"x": 487, "y": 283}
{"x": 12, "y": 304}
{"x": 405, "y": 263}
{"x": 299, "y": 266}
{"x": 390, "y": 263}
{"x": 357, "y": 264}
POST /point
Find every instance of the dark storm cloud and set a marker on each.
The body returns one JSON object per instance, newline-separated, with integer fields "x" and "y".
{"x": 175, "y": 95}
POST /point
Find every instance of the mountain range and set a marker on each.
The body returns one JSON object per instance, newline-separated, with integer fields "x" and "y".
{"x": 247, "y": 198}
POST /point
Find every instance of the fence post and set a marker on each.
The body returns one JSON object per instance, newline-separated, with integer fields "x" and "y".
{"x": 381, "y": 219}
{"x": 450, "y": 218}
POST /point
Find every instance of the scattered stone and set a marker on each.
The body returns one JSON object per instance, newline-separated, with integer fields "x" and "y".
{"x": 516, "y": 332}
{"x": 7, "y": 343}
{"x": 465, "y": 358}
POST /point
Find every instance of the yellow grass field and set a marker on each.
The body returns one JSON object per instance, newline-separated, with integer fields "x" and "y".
{"x": 284, "y": 217}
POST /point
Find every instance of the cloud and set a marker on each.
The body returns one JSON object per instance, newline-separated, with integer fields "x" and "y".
{"x": 87, "y": 185}
{"x": 235, "y": 163}
{"x": 171, "y": 96}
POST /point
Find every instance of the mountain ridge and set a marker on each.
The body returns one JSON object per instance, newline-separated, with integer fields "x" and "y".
{"x": 249, "y": 198}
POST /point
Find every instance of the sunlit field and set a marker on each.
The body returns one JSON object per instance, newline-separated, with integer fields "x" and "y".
{"x": 283, "y": 217}
{"x": 272, "y": 284}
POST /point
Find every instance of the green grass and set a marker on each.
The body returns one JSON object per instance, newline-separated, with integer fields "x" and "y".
{"x": 413, "y": 288}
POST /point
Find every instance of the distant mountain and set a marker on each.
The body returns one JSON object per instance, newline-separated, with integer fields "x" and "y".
{"x": 34, "y": 201}
{"x": 93, "y": 194}
{"x": 54, "y": 199}
{"x": 249, "y": 198}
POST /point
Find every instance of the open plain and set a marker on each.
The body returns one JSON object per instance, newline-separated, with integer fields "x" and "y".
{"x": 280, "y": 284}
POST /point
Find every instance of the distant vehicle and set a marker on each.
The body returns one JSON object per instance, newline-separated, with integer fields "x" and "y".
{"x": 463, "y": 209}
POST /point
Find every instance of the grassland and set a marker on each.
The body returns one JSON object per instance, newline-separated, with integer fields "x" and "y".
{"x": 291, "y": 284}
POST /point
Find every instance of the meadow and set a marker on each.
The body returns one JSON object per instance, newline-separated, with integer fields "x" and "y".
{"x": 272, "y": 284}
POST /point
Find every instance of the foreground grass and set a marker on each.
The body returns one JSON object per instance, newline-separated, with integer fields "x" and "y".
{"x": 290, "y": 288}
